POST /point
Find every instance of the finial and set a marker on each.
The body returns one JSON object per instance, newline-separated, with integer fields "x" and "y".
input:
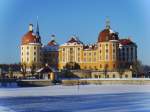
{"x": 31, "y": 27}
{"x": 53, "y": 37}
{"x": 107, "y": 23}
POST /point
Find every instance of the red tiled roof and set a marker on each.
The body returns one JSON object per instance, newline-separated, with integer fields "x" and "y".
{"x": 52, "y": 43}
{"x": 125, "y": 42}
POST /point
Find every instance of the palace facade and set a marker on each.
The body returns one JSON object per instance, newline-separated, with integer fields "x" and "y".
{"x": 109, "y": 52}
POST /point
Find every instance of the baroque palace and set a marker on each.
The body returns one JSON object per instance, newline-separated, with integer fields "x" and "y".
{"x": 109, "y": 53}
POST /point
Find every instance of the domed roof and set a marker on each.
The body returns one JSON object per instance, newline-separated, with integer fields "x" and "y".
{"x": 30, "y": 37}
{"x": 106, "y": 35}
{"x": 52, "y": 43}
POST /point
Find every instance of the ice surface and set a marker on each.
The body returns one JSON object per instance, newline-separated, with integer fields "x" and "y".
{"x": 83, "y": 98}
{"x": 58, "y": 90}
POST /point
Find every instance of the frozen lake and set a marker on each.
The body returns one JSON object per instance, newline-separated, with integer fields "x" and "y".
{"x": 87, "y": 98}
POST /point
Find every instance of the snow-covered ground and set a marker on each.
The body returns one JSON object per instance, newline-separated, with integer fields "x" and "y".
{"x": 83, "y": 98}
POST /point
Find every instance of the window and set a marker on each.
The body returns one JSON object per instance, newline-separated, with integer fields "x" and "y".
{"x": 34, "y": 59}
{"x": 107, "y": 76}
{"x": 63, "y": 49}
{"x": 89, "y": 54}
{"x": 100, "y": 66}
{"x": 34, "y": 53}
{"x": 99, "y": 76}
{"x": 27, "y": 53}
{"x": 71, "y": 50}
{"x": 78, "y": 49}
{"x": 126, "y": 76}
{"x": 114, "y": 65}
{"x": 94, "y": 53}
{"x": 84, "y": 54}
{"x": 113, "y": 50}
{"x": 27, "y": 47}
{"x": 34, "y": 48}
{"x": 106, "y": 50}
{"x": 113, "y": 75}
{"x": 96, "y": 76}
{"x": 22, "y": 53}
{"x": 22, "y": 48}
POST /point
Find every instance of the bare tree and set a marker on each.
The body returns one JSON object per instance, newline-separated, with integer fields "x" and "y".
{"x": 10, "y": 72}
{"x": 23, "y": 67}
{"x": 33, "y": 68}
{"x": 121, "y": 71}
{"x": 105, "y": 70}
{"x": 137, "y": 68}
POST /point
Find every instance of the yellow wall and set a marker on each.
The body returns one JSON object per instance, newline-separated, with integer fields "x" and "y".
{"x": 92, "y": 58}
{"x": 31, "y": 53}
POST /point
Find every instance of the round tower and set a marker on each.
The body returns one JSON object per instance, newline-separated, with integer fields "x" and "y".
{"x": 30, "y": 50}
{"x": 108, "y": 48}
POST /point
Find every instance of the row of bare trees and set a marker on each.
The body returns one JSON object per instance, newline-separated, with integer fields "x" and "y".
{"x": 23, "y": 67}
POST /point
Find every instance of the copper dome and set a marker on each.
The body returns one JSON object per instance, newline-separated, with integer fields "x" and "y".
{"x": 106, "y": 35}
{"x": 29, "y": 37}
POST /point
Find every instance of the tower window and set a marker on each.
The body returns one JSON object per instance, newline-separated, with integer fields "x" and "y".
{"x": 34, "y": 59}
{"x": 34, "y": 53}
{"x": 34, "y": 48}
{"x": 113, "y": 75}
{"x": 100, "y": 66}
{"x": 114, "y": 65}
{"x": 107, "y": 50}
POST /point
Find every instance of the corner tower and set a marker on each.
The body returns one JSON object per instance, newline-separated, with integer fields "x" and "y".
{"x": 31, "y": 49}
{"x": 108, "y": 48}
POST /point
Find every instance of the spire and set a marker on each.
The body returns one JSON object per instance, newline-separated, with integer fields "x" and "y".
{"x": 107, "y": 23}
{"x": 37, "y": 28}
{"x": 37, "y": 31}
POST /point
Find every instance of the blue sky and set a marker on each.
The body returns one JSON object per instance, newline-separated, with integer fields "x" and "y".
{"x": 84, "y": 18}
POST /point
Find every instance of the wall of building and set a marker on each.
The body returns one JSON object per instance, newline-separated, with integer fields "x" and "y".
{"x": 31, "y": 53}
